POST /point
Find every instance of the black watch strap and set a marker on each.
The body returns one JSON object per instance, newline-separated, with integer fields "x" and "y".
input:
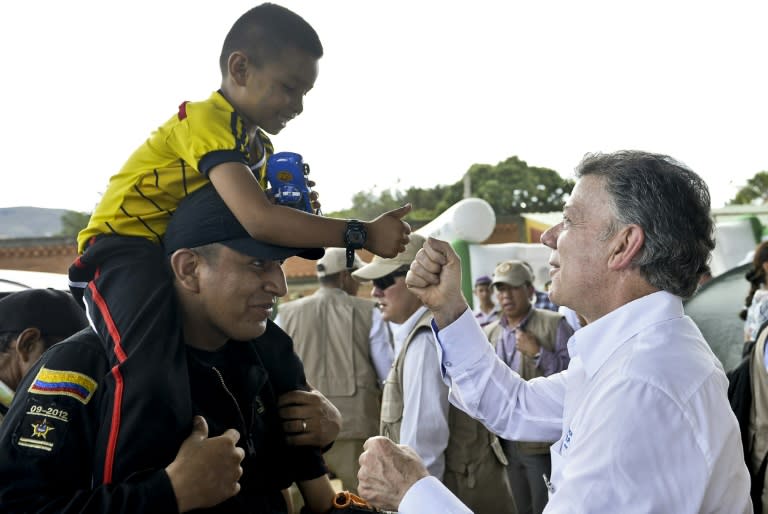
{"x": 354, "y": 239}
{"x": 350, "y": 257}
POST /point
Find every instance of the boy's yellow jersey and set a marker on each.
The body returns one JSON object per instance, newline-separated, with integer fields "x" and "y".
{"x": 171, "y": 164}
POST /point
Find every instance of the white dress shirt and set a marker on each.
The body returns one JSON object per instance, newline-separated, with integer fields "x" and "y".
{"x": 570, "y": 316}
{"x": 429, "y": 495}
{"x": 382, "y": 350}
{"x": 641, "y": 416}
{"x": 424, "y": 426}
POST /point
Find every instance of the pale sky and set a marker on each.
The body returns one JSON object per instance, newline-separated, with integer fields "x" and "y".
{"x": 410, "y": 92}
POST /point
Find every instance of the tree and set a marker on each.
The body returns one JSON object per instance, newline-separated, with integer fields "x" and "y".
{"x": 511, "y": 187}
{"x": 72, "y": 223}
{"x": 366, "y": 205}
{"x": 755, "y": 192}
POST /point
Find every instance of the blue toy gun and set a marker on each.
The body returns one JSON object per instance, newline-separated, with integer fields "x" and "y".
{"x": 287, "y": 176}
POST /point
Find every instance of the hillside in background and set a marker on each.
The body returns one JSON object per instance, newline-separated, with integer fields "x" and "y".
{"x": 29, "y": 222}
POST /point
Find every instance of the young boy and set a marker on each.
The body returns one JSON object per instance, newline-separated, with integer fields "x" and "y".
{"x": 268, "y": 63}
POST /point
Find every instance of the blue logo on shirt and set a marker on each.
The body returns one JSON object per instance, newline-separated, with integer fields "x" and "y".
{"x": 567, "y": 440}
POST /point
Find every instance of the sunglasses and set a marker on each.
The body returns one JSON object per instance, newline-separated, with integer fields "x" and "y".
{"x": 387, "y": 280}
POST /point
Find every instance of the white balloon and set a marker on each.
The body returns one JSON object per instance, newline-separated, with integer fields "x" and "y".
{"x": 470, "y": 219}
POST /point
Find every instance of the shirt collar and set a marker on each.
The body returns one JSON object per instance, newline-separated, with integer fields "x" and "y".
{"x": 597, "y": 341}
{"x": 400, "y": 332}
{"x": 219, "y": 100}
{"x": 222, "y": 102}
{"x": 505, "y": 323}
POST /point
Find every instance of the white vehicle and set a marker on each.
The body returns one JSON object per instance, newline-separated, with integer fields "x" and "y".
{"x": 12, "y": 281}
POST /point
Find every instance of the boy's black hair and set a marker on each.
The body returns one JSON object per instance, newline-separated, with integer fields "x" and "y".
{"x": 265, "y": 31}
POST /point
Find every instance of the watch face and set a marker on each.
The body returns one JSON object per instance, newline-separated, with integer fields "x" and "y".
{"x": 355, "y": 237}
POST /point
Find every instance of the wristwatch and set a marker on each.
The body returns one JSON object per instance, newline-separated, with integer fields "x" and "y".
{"x": 354, "y": 239}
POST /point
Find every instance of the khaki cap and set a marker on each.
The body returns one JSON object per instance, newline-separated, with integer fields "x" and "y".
{"x": 513, "y": 273}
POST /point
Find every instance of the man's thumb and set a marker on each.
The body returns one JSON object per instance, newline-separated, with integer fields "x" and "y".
{"x": 199, "y": 428}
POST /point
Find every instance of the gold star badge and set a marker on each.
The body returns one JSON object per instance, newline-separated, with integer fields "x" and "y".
{"x": 41, "y": 429}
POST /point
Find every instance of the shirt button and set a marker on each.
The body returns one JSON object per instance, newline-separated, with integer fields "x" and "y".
{"x": 448, "y": 364}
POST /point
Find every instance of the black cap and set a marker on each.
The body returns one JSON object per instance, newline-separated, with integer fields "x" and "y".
{"x": 53, "y": 312}
{"x": 203, "y": 218}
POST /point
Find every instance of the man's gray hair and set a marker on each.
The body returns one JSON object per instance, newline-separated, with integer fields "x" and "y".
{"x": 670, "y": 203}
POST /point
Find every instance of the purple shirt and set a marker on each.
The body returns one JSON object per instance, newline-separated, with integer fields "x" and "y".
{"x": 543, "y": 301}
{"x": 548, "y": 362}
{"x": 484, "y": 318}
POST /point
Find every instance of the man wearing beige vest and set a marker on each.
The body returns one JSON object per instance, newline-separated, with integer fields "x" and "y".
{"x": 346, "y": 350}
{"x": 758, "y": 422}
{"x": 533, "y": 342}
{"x": 415, "y": 411}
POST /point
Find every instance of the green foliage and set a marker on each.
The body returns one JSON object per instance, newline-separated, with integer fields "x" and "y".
{"x": 72, "y": 223}
{"x": 366, "y": 205}
{"x": 755, "y": 192}
{"x": 511, "y": 187}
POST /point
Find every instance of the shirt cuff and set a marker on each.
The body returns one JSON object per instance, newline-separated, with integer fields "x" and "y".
{"x": 430, "y": 495}
{"x": 461, "y": 344}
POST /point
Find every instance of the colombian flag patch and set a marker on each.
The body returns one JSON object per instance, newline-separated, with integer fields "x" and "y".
{"x": 64, "y": 383}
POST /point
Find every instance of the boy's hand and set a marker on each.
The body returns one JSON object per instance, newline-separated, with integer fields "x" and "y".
{"x": 388, "y": 234}
{"x": 206, "y": 470}
{"x": 310, "y": 409}
{"x": 313, "y": 196}
{"x": 270, "y": 196}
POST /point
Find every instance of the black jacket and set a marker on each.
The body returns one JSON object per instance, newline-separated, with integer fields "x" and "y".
{"x": 46, "y": 439}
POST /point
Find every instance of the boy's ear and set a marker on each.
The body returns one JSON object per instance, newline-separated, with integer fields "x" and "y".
{"x": 237, "y": 66}
{"x": 185, "y": 265}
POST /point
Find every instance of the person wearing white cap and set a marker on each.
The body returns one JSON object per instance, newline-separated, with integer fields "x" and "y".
{"x": 455, "y": 448}
{"x": 347, "y": 352}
